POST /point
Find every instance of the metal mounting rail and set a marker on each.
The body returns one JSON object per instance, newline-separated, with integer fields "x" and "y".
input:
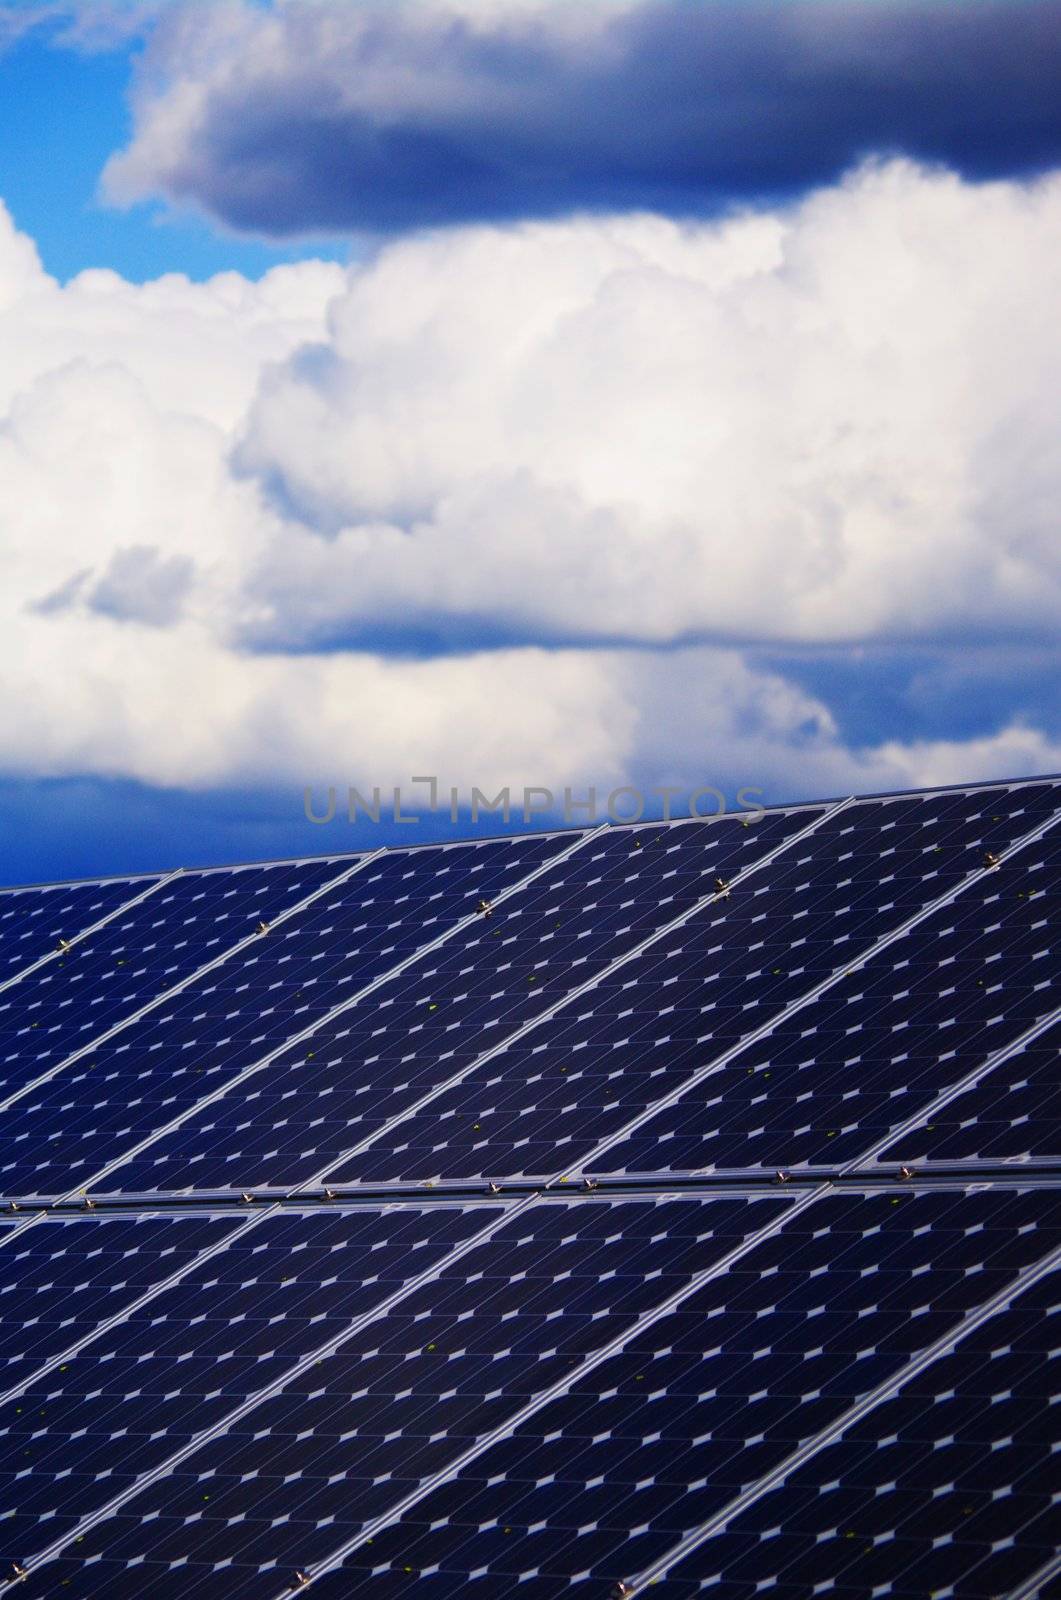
{"x": 735, "y": 1180}
{"x": 852, "y": 964}
{"x": 1024, "y": 1280}
{"x": 93, "y": 927}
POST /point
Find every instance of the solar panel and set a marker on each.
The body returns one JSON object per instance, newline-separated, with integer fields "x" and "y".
{"x": 235, "y": 1323}
{"x": 32, "y": 921}
{"x": 839, "y": 1073}
{"x": 646, "y": 1026}
{"x": 110, "y": 1095}
{"x": 950, "y": 1484}
{"x": 587, "y": 1370}
{"x": 1008, "y": 1113}
{"x": 61, "y": 1283}
{"x": 143, "y": 951}
{"x": 304, "y": 1108}
{"x": 669, "y": 1207}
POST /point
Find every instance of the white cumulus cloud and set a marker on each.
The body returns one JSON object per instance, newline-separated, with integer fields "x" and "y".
{"x": 828, "y": 423}
{"x": 513, "y": 504}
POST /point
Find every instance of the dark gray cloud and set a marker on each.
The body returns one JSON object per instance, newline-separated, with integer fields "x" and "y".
{"x": 320, "y": 115}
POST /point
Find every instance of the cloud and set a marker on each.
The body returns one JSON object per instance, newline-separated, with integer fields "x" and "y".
{"x": 143, "y": 586}
{"x": 319, "y": 114}
{"x": 505, "y": 504}
{"x": 21, "y": 273}
{"x": 832, "y": 423}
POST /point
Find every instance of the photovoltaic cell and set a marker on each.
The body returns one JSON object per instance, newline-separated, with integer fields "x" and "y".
{"x": 317, "y": 1101}
{"x": 142, "y": 953}
{"x": 1012, "y": 1114}
{"x": 139, "y": 1390}
{"x": 61, "y": 1133}
{"x": 949, "y": 1488}
{"x": 883, "y": 1041}
{"x": 636, "y": 1450}
{"x": 32, "y": 921}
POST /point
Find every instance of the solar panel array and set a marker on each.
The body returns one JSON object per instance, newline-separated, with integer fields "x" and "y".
{"x": 665, "y": 1207}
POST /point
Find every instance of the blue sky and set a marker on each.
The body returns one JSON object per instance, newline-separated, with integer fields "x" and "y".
{"x": 65, "y": 112}
{"x": 649, "y": 393}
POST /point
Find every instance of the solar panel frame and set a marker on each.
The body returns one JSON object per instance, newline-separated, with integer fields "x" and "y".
{"x": 333, "y": 1173}
{"x": 793, "y": 1206}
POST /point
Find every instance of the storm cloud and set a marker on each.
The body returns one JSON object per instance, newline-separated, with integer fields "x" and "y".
{"x": 312, "y": 114}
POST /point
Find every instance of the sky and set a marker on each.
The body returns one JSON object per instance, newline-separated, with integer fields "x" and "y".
{"x": 567, "y": 394}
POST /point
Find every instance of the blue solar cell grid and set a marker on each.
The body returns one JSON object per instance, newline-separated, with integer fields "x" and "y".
{"x": 951, "y": 1487}
{"x": 655, "y": 1389}
{"x": 243, "y": 1319}
{"x": 320, "y": 1099}
{"x": 1012, "y": 1114}
{"x": 138, "y": 956}
{"x": 851, "y": 1066}
{"x": 61, "y": 1133}
{"x": 32, "y": 921}
{"x": 61, "y": 1279}
{"x": 545, "y": 1104}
